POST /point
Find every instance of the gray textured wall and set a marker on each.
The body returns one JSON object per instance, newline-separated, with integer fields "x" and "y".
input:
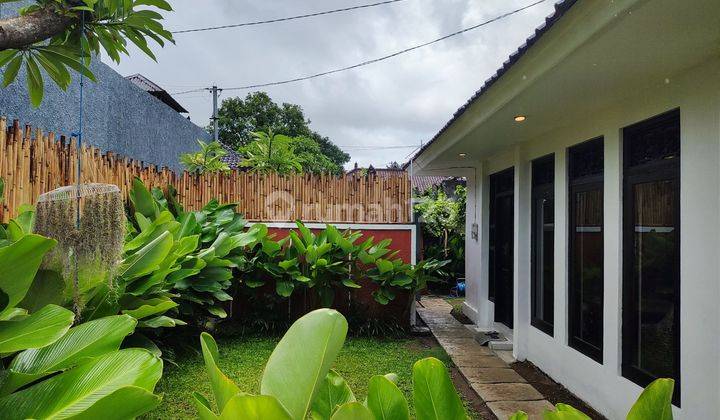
{"x": 119, "y": 116}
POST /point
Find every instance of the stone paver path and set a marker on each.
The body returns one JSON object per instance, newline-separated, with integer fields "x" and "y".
{"x": 502, "y": 389}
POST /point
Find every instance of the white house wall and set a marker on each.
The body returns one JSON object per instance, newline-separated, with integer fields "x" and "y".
{"x": 697, "y": 93}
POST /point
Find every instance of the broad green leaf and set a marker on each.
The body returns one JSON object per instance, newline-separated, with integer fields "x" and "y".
{"x": 87, "y": 340}
{"x": 385, "y": 400}
{"x": 434, "y": 393}
{"x": 293, "y": 376}
{"x": 223, "y": 388}
{"x": 46, "y": 289}
{"x": 353, "y": 411}
{"x": 333, "y": 392}
{"x": 125, "y": 403}
{"x": 147, "y": 259}
{"x": 564, "y": 412}
{"x": 73, "y": 391}
{"x": 149, "y": 307}
{"x": 18, "y": 264}
{"x": 520, "y": 415}
{"x": 37, "y": 330}
{"x": 143, "y": 200}
{"x": 35, "y": 83}
{"x": 12, "y": 69}
{"x": 254, "y": 407}
{"x": 655, "y": 402}
{"x": 384, "y": 266}
{"x": 161, "y": 321}
{"x": 202, "y": 405}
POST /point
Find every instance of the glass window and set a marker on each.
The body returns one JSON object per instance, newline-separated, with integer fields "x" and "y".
{"x": 651, "y": 243}
{"x": 542, "y": 244}
{"x": 585, "y": 277}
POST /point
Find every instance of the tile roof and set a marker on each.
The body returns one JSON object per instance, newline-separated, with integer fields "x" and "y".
{"x": 561, "y": 7}
{"x": 148, "y": 86}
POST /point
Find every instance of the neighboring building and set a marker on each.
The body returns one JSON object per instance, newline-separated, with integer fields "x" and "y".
{"x": 420, "y": 183}
{"x": 131, "y": 118}
{"x": 593, "y": 165}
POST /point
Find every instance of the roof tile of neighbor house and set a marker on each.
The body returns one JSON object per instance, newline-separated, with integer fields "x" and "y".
{"x": 561, "y": 7}
{"x": 148, "y": 86}
{"x": 420, "y": 183}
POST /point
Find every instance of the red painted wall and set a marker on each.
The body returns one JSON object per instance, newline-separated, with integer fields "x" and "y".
{"x": 401, "y": 239}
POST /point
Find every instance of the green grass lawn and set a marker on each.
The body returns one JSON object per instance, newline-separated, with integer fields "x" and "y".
{"x": 243, "y": 359}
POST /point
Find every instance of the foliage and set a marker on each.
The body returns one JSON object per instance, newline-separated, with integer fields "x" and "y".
{"x": 108, "y": 26}
{"x": 270, "y": 152}
{"x": 655, "y": 402}
{"x": 312, "y": 159}
{"x": 239, "y": 118}
{"x": 207, "y": 160}
{"x": 243, "y": 360}
{"x": 50, "y": 370}
{"x": 297, "y": 383}
{"x": 444, "y": 229}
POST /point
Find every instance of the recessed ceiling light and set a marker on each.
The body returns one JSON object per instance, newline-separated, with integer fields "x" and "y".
{"x": 520, "y": 118}
{"x": 462, "y": 155}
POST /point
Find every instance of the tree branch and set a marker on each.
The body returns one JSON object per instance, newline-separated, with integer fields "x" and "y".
{"x": 22, "y": 31}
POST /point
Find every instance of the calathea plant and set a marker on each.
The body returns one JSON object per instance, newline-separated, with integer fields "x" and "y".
{"x": 52, "y": 369}
{"x": 296, "y": 384}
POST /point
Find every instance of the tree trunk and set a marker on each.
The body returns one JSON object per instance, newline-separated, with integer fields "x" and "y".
{"x": 22, "y": 31}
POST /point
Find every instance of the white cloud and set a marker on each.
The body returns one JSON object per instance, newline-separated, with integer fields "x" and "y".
{"x": 401, "y": 101}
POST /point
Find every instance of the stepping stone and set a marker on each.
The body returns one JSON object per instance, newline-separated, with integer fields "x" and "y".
{"x": 534, "y": 409}
{"x": 491, "y": 376}
{"x": 475, "y": 351}
{"x": 507, "y": 392}
{"x": 479, "y": 362}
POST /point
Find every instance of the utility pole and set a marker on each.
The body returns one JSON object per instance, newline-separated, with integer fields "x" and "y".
{"x": 214, "y": 118}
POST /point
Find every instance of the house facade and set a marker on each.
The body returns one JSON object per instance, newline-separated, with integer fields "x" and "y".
{"x": 592, "y": 160}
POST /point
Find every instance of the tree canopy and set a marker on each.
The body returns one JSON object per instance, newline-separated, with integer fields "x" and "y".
{"x": 239, "y": 118}
{"x": 60, "y": 36}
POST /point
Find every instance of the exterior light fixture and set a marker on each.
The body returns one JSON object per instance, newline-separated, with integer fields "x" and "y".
{"x": 462, "y": 155}
{"x": 520, "y": 118}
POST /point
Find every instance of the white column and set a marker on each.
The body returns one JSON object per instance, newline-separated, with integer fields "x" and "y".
{"x": 522, "y": 255}
{"x": 561, "y": 248}
{"x": 612, "y": 255}
{"x": 473, "y": 245}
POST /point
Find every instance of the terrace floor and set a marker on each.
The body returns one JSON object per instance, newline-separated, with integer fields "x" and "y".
{"x": 502, "y": 388}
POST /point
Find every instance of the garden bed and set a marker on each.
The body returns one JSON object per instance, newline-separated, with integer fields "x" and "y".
{"x": 243, "y": 359}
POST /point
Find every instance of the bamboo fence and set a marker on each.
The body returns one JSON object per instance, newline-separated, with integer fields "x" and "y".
{"x": 33, "y": 162}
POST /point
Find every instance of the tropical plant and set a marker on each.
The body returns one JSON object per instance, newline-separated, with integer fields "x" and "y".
{"x": 654, "y": 403}
{"x": 207, "y": 160}
{"x": 296, "y": 384}
{"x": 270, "y": 152}
{"x": 239, "y": 118}
{"x": 60, "y": 36}
{"x": 441, "y": 216}
{"x": 52, "y": 369}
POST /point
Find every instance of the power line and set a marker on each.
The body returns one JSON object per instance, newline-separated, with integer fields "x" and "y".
{"x": 285, "y": 19}
{"x": 383, "y": 58}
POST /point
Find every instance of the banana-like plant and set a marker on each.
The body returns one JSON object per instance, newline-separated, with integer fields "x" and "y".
{"x": 296, "y": 384}
{"x": 655, "y": 402}
{"x": 52, "y": 369}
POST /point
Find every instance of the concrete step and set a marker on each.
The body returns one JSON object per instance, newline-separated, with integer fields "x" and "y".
{"x": 500, "y": 345}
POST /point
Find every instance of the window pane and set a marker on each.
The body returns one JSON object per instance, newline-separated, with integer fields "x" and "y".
{"x": 655, "y": 251}
{"x": 587, "y": 268}
{"x": 543, "y": 281}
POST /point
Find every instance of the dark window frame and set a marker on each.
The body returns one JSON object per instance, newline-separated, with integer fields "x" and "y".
{"x": 492, "y": 232}
{"x": 579, "y": 184}
{"x": 656, "y": 170}
{"x": 540, "y": 190}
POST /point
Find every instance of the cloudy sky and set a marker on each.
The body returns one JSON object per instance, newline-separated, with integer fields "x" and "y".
{"x": 369, "y": 112}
